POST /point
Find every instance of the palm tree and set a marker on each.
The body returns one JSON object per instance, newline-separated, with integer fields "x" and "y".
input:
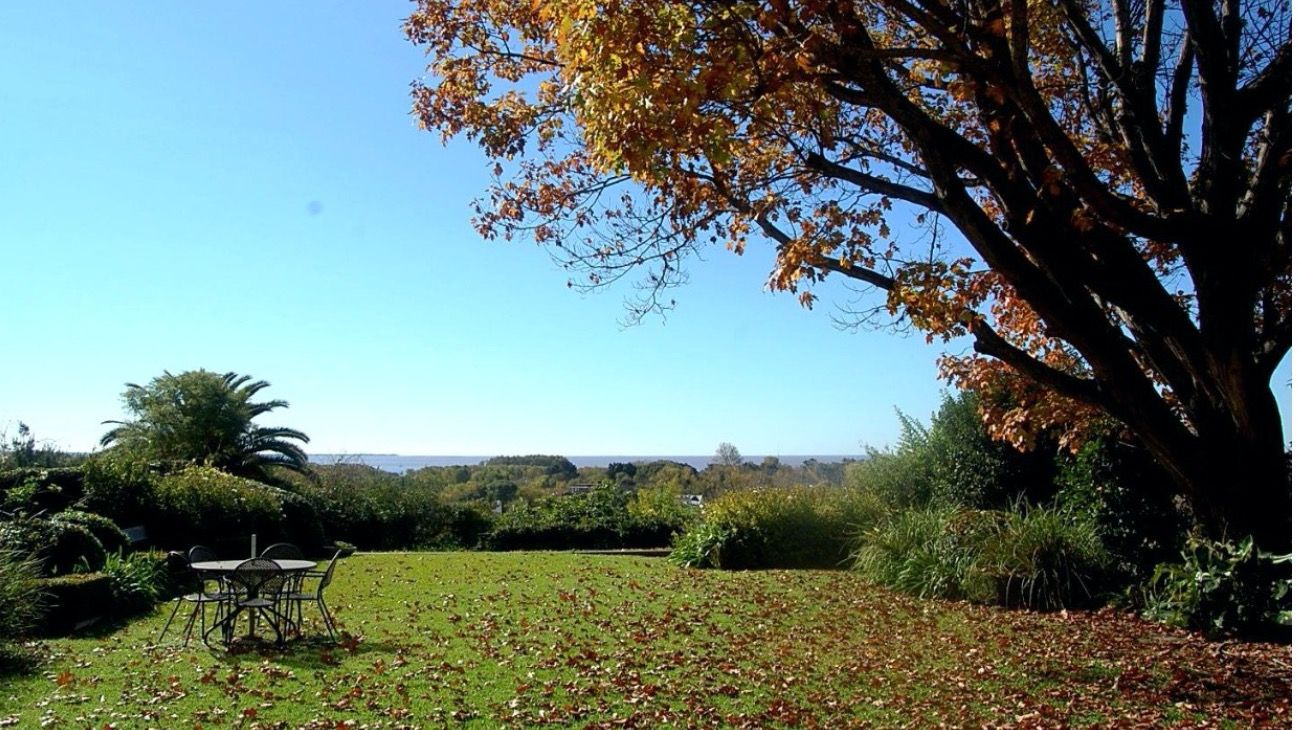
{"x": 201, "y": 417}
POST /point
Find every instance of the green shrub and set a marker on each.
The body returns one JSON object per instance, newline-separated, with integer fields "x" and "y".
{"x": 800, "y": 527}
{"x": 453, "y": 527}
{"x": 1120, "y": 488}
{"x": 900, "y": 477}
{"x": 181, "y": 505}
{"x": 200, "y": 504}
{"x": 378, "y": 510}
{"x": 954, "y": 462}
{"x": 119, "y": 488}
{"x": 603, "y": 518}
{"x": 1031, "y": 557}
{"x": 72, "y": 599}
{"x": 662, "y": 505}
{"x": 299, "y": 521}
{"x": 702, "y": 545}
{"x": 21, "y": 599}
{"x": 597, "y": 519}
{"x": 197, "y": 496}
{"x": 137, "y": 580}
{"x": 36, "y": 489}
{"x": 110, "y": 536}
{"x": 60, "y": 547}
{"x": 1223, "y": 588}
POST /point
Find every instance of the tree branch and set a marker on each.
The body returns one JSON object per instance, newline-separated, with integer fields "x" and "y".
{"x": 989, "y": 342}
{"x": 872, "y": 183}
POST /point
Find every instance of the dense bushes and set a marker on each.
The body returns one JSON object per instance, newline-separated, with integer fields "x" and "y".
{"x": 377, "y": 510}
{"x": 127, "y": 585}
{"x": 59, "y": 547}
{"x": 954, "y": 462}
{"x": 1119, "y": 487}
{"x": 120, "y": 488}
{"x": 1045, "y": 558}
{"x": 32, "y": 489}
{"x": 800, "y": 527}
{"x": 197, "y": 504}
{"x": 1034, "y": 557}
{"x": 185, "y": 505}
{"x": 109, "y": 535}
{"x": 599, "y": 519}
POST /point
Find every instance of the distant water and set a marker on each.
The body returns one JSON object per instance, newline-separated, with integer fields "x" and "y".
{"x": 399, "y": 463}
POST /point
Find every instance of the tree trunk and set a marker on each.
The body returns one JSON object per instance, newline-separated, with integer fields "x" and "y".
{"x": 1237, "y": 472}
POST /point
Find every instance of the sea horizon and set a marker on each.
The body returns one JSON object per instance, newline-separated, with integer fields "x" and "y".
{"x": 400, "y": 463}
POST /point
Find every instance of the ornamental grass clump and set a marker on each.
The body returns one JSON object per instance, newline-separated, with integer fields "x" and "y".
{"x": 1033, "y": 557}
{"x": 21, "y": 598}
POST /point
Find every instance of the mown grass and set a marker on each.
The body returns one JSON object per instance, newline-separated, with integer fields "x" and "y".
{"x": 523, "y": 639}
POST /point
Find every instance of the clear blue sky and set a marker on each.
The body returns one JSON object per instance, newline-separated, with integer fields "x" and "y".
{"x": 238, "y": 186}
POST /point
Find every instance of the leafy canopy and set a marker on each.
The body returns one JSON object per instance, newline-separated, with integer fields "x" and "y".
{"x": 206, "y": 418}
{"x": 1119, "y": 172}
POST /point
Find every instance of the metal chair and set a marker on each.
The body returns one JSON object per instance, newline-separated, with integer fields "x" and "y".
{"x": 294, "y": 600}
{"x": 286, "y": 551}
{"x": 200, "y": 598}
{"x": 256, "y": 584}
{"x": 282, "y": 551}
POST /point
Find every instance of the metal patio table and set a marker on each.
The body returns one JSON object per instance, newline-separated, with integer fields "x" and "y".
{"x": 219, "y": 568}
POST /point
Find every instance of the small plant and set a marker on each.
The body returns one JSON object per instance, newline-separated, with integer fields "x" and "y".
{"x": 137, "y": 580}
{"x": 344, "y": 549}
{"x": 22, "y": 496}
{"x": 1223, "y": 588}
{"x": 702, "y": 545}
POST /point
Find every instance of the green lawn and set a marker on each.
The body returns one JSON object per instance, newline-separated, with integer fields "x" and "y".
{"x": 529, "y": 638}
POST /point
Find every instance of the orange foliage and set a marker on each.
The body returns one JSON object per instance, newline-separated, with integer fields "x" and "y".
{"x": 627, "y": 134}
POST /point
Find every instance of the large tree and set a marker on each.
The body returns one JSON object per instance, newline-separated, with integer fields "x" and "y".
{"x": 202, "y": 417}
{"x": 1117, "y": 174}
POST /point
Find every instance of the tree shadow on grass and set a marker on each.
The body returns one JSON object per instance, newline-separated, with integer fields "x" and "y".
{"x": 105, "y": 626}
{"x": 17, "y": 659}
{"x": 313, "y": 654}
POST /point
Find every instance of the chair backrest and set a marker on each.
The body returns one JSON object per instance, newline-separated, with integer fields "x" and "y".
{"x": 178, "y": 569}
{"x": 282, "y": 551}
{"x": 201, "y": 553}
{"x": 257, "y": 577}
{"x": 177, "y": 563}
{"x": 328, "y": 577}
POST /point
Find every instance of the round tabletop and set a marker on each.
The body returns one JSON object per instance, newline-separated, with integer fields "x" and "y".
{"x": 228, "y": 566}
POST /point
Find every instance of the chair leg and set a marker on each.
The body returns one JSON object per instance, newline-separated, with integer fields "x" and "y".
{"x": 325, "y": 614}
{"x": 203, "y": 619}
{"x": 279, "y": 637}
{"x": 179, "y": 600}
{"x": 226, "y": 624}
{"x": 189, "y": 623}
